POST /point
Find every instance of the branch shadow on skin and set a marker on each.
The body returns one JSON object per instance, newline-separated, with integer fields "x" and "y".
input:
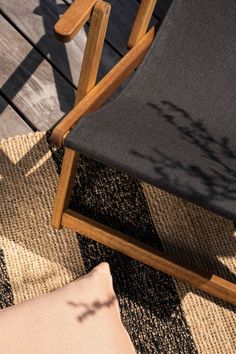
{"x": 87, "y": 310}
{"x": 218, "y": 184}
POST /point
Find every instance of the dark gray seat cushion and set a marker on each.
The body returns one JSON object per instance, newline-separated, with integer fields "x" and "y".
{"x": 174, "y": 126}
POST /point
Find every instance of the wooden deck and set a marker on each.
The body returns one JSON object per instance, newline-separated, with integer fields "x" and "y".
{"x": 39, "y": 74}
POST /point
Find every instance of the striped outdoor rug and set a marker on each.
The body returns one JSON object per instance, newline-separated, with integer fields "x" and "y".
{"x": 162, "y": 315}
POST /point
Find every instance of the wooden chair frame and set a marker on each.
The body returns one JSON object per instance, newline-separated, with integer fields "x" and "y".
{"x": 89, "y": 97}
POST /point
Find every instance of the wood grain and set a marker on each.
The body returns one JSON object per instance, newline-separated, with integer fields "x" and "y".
{"x": 93, "y": 49}
{"x": 11, "y": 123}
{"x": 65, "y": 186}
{"x": 122, "y": 17}
{"x": 36, "y": 19}
{"x": 141, "y": 22}
{"x": 74, "y": 19}
{"x": 87, "y": 81}
{"x": 27, "y": 79}
{"x": 131, "y": 247}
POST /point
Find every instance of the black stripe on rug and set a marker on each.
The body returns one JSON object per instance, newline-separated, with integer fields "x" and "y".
{"x": 150, "y": 306}
{"x": 6, "y": 294}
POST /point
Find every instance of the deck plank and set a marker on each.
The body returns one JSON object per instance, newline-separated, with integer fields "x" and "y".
{"x": 28, "y": 80}
{"x": 36, "y": 18}
{"x": 11, "y": 123}
{"x": 38, "y": 90}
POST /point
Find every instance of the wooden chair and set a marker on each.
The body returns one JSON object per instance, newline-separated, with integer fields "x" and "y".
{"x": 173, "y": 126}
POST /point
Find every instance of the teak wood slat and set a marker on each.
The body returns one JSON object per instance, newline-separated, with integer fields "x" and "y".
{"x": 105, "y": 87}
{"x": 87, "y": 81}
{"x": 141, "y": 22}
{"x": 65, "y": 186}
{"x": 93, "y": 49}
{"x": 74, "y": 19}
{"x": 121, "y": 22}
{"x": 133, "y": 248}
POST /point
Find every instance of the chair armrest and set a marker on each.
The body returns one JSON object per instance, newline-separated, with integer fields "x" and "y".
{"x": 73, "y": 19}
{"x": 100, "y": 93}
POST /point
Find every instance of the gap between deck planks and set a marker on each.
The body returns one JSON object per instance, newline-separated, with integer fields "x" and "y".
{"x": 27, "y": 79}
{"x": 11, "y": 123}
{"x": 24, "y": 64}
{"x": 35, "y": 20}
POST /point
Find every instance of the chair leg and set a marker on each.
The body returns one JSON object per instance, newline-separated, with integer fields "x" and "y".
{"x": 65, "y": 186}
{"x": 210, "y": 283}
{"x": 89, "y": 70}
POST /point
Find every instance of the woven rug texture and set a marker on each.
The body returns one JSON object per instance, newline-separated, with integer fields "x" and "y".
{"x": 161, "y": 314}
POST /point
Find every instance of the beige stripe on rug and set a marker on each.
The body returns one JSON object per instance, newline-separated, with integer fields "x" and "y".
{"x": 208, "y": 241}
{"x": 37, "y": 263}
